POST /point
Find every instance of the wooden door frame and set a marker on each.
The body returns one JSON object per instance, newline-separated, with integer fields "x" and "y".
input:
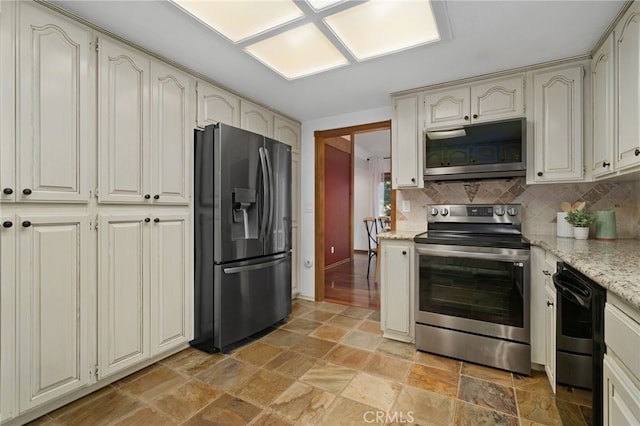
{"x": 320, "y": 138}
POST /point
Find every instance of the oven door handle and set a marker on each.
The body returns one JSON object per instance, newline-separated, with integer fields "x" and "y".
{"x": 443, "y": 252}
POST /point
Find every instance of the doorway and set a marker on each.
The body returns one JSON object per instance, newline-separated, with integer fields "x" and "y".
{"x": 344, "y": 270}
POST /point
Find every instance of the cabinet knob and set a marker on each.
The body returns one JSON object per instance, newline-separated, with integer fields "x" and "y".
{"x": 466, "y": 117}
{"x": 156, "y": 197}
{"x": 605, "y": 164}
{"x": 26, "y": 224}
{"x": 404, "y": 252}
{"x": 156, "y": 220}
{"x": 549, "y": 303}
{"x": 637, "y": 152}
{"x": 26, "y": 191}
{"x": 8, "y": 191}
{"x": 7, "y": 224}
{"x": 475, "y": 115}
{"x": 413, "y": 180}
{"x": 147, "y": 196}
{"x": 146, "y": 219}
{"x": 539, "y": 173}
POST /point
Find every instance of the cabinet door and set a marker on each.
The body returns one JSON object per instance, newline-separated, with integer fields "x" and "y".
{"x": 445, "y": 108}
{"x": 628, "y": 56}
{"x": 295, "y": 263}
{"x": 550, "y": 334}
{"x": 406, "y": 144}
{"x": 123, "y": 123}
{"x": 216, "y": 106}
{"x": 171, "y": 135}
{"x": 287, "y": 131}
{"x": 171, "y": 296}
{"x": 8, "y": 288}
{"x": 558, "y": 125}
{"x": 602, "y": 81}
{"x": 538, "y": 305}
{"x": 123, "y": 292}
{"x": 7, "y": 105}
{"x": 54, "y": 118}
{"x": 497, "y": 99}
{"x": 256, "y": 119}
{"x": 621, "y": 405}
{"x": 395, "y": 290}
{"x": 53, "y": 309}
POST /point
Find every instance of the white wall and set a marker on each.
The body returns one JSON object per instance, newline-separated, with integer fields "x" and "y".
{"x": 307, "y": 225}
{"x": 361, "y": 201}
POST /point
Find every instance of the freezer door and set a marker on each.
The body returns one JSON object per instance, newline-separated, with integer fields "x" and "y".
{"x": 250, "y": 296}
{"x": 278, "y": 234}
{"x": 240, "y": 197}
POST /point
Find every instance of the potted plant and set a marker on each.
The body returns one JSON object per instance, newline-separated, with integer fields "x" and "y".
{"x": 581, "y": 220}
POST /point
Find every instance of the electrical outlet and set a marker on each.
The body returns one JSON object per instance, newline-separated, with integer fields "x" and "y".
{"x": 406, "y": 206}
{"x": 333, "y": 249}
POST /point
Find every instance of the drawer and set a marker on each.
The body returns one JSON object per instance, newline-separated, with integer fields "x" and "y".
{"x": 622, "y": 337}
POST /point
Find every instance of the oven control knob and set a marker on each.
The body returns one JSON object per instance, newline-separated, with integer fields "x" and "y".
{"x": 499, "y": 211}
{"x": 444, "y": 212}
{"x": 433, "y": 211}
{"x": 512, "y": 211}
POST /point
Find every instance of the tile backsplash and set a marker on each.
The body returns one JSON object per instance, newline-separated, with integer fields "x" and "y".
{"x": 540, "y": 202}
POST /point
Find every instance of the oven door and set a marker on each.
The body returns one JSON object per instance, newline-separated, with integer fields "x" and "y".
{"x": 480, "y": 290}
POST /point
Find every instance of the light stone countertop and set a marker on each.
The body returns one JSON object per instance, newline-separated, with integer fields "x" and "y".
{"x": 614, "y": 265}
{"x": 398, "y": 235}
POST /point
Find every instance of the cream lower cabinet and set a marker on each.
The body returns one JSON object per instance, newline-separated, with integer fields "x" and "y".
{"x": 143, "y": 297}
{"x": 621, "y": 363}
{"x": 396, "y": 289}
{"x": 53, "y": 307}
{"x": 550, "y": 335}
{"x": 7, "y": 316}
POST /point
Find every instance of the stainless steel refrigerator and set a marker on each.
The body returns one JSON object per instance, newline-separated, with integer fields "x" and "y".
{"x": 242, "y": 211}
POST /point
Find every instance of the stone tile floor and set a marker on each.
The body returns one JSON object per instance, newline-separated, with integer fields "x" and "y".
{"x": 329, "y": 365}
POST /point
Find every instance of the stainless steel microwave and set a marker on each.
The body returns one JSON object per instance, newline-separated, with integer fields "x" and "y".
{"x": 477, "y": 151}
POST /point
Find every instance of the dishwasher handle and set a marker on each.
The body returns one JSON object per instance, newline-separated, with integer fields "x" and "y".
{"x": 573, "y": 288}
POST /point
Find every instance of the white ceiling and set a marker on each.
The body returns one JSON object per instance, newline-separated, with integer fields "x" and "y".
{"x": 487, "y": 36}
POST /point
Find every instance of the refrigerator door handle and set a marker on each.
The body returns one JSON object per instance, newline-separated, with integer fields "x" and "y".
{"x": 265, "y": 193}
{"x": 271, "y": 189}
{"x": 239, "y": 269}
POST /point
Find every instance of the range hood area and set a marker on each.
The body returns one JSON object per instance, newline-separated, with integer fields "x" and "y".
{"x": 477, "y": 151}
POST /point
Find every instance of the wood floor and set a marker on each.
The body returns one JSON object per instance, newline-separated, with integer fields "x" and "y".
{"x": 347, "y": 284}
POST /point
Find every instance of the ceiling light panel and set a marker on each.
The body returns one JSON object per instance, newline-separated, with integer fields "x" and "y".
{"x": 239, "y": 20}
{"x": 380, "y": 27}
{"x": 321, "y": 4}
{"x": 297, "y": 53}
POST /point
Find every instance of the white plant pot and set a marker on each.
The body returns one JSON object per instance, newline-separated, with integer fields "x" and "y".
{"x": 580, "y": 233}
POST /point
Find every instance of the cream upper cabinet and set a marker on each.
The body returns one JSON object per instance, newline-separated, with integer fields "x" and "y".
{"x": 53, "y": 307}
{"x": 54, "y": 119}
{"x": 256, "y": 118}
{"x": 216, "y": 106}
{"x": 123, "y": 123}
{"x": 602, "y": 83}
{"x": 123, "y": 292}
{"x": 406, "y": 143}
{"x": 488, "y": 100}
{"x": 171, "y": 135}
{"x": 171, "y": 295}
{"x": 287, "y": 131}
{"x": 144, "y": 128}
{"x": 396, "y": 290}
{"x": 627, "y": 37}
{"x": 7, "y": 105}
{"x": 557, "y": 117}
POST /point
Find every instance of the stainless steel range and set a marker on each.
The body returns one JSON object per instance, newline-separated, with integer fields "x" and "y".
{"x": 472, "y": 290}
